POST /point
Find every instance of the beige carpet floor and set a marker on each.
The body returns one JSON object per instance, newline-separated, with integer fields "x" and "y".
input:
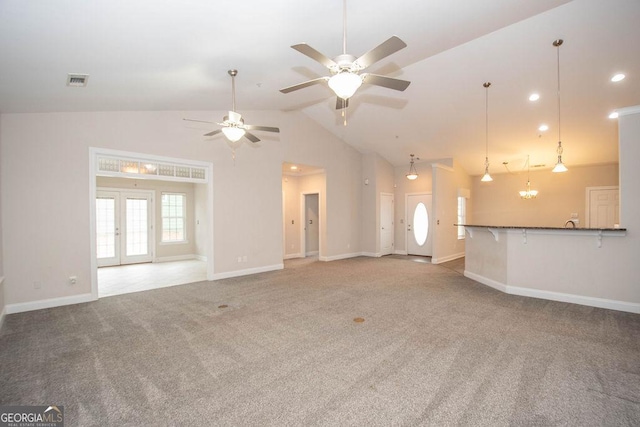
{"x": 282, "y": 348}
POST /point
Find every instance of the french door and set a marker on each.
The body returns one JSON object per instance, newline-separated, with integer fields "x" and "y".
{"x": 419, "y": 241}
{"x": 124, "y": 227}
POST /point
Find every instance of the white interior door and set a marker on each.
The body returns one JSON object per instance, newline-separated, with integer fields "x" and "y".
{"x": 386, "y": 224}
{"x": 604, "y": 207}
{"x": 419, "y": 241}
{"x": 124, "y": 229}
{"x": 311, "y": 227}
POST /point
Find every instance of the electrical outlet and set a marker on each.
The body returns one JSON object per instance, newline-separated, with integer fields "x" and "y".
{"x": 239, "y": 259}
{"x": 73, "y": 280}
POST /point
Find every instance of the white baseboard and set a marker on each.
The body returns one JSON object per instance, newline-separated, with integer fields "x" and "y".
{"x": 247, "y": 271}
{"x": 291, "y": 256}
{"x": 629, "y": 307}
{"x": 201, "y": 258}
{"x": 486, "y": 281}
{"x": 339, "y": 257}
{"x": 440, "y": 260}
{"x": 399, "y": 252}
{"x": 371, "y": 254}
{"x": 2, "y": 315}
{"x": 311, "y": 253}
{"x": 48, "y": 303}
{"x": 176, "y": 258}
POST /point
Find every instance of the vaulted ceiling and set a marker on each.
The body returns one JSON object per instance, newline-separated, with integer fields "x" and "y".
{"x": 174, "y": 55}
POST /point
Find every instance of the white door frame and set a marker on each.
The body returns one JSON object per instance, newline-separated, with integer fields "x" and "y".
{"x": 95, "y": 153}
{"x": 122, "y": 195}
{"x": 392, "y": 223}
{"x": 406, "y": 217}
{"x": 303, "y": 237}
{"x": 587, "y": 200}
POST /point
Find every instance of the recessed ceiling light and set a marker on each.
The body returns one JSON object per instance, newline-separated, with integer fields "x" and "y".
{"x": 613, "y": 115}
{"x": 618, "y": 77}
{"x": 543, "y": 128}
{"x": 534, "y": 97}
{"x": 294, "y": 168}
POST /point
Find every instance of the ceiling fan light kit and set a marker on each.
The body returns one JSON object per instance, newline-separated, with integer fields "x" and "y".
{"x": 233, "y": 127}
{"x": 345, "y": 84}
{"x": 345, "y": 69}
{"x": 413, "y": 174}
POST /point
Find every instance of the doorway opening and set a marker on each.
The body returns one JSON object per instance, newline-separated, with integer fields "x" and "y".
{"x": 310, "y": 243}
{"x": 151, "y": 222}
{"x": 303, "y": 219}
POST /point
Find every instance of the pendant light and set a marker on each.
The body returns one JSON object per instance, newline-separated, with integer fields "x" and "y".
{"x": 528, "y": 193}
{"x": 559, "y": 167}
{"x": 413, "y": 174}
{"x": 486, "y": 177}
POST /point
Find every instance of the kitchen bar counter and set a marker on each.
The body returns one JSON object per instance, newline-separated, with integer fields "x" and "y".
{"x": 576, "y": 265}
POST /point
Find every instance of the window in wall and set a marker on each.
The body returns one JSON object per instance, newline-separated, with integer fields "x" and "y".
{"x": 462, "y": 215}
{"x": 173, "y": 217}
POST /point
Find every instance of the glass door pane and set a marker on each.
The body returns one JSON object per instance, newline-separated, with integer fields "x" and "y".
{"x": 106, "y": 227}
{"x": 137, "y": 227}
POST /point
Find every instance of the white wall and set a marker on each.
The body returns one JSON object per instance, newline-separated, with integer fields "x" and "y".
{"x": 379, "y": 174}
{"x": 45, "y": 190}
{"x": 201, "y": 220}
{"x": 2, "y": 298}
{"x": 447, "y": 181}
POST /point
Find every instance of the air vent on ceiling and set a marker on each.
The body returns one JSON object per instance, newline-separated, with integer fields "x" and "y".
{"x": 77, "y": 80}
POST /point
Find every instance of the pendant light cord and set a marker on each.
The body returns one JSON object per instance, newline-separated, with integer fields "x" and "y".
{"x": 559, "y": 127}
{"x": 486, "y": 121}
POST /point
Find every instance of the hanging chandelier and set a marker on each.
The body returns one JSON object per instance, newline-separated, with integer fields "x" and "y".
{"x": 528, "y": 193}
{"x": 486, "y": 177}
{"x": 559, "y": 167}
{"x": 413, "y": 174}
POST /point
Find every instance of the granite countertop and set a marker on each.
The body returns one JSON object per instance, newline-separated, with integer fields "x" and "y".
{"x": 520, "y": 227}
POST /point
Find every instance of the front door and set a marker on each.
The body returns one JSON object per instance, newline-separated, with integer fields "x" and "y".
{"x": 419, "y": 241}
{"x": 123, "y": 227}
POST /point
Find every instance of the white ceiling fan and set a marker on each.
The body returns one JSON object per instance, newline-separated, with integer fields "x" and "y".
{"x": 233, "y": 126}
{"x": 345, "y": 69}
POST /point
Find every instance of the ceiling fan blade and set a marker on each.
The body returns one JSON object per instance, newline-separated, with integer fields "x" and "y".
{"x": 215, "y": 132}
{"x": 235, "y": 117}
{"x": 304, "y": 84}
{"x": 386, "y": 48}
{"x": 388, "y": 82}
{"x": 201, "y": 121}
{"x": 341, "y": 103}
{"x": 307, "y": 50}
{"x": 251, "y": 137}
{"x": 263, "y": 128}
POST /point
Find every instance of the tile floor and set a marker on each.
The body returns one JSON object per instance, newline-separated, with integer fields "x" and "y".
{"x": 125, "y": 279}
